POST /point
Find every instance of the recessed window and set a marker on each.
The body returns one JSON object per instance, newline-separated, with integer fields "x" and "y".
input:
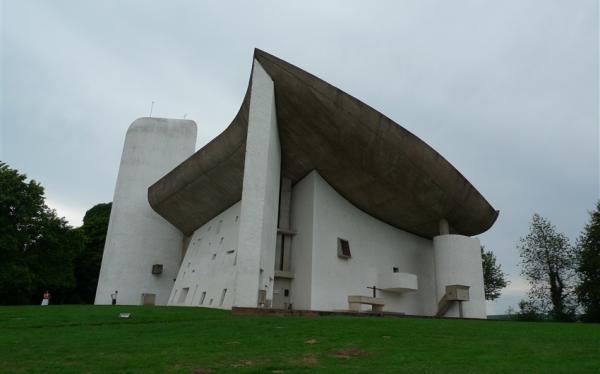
{"x": 344, "y": 248}
{"x": 210, "y": 302}
{"x": 157, "y": 269}
{"x": 221, "y": 241}
{"x": 223, "y": 296}
{"x": 214, "y": 256}
{"x": 183, "y": 295}
{"x": 286, "y": 292}
{"x": 230, "y": 251}
{"x": 202, "y": 297}
{"x": 237, "y": 218}
{"x": 396, "y": 269}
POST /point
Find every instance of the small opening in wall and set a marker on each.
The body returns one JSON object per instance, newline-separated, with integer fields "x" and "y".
{"x": 202, "y": 297}
{"x": 210, "y": 302}
{"x": 237, "y": 218}
{"x": 395, "y": 269}
{"x": 344, "y": 248}
{"x": 223, "y": 296}
{"x": 230, "y": 251}
{"x": 221, "y": 241}
{"x": 183, "y": 295}
{"x": 214, "y": 256}
{"x": 286, "y": 292}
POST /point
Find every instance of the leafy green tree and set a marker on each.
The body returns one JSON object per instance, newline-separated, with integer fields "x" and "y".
{"x": 548, "y": 263}
{"x": 36, "y": 246}
{"x": 87, "y": 263}
{"x": 494, "y": 279}
{"x": 588, "y": 269}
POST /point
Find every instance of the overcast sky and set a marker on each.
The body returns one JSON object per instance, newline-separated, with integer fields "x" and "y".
{"x": 507, "y": 91}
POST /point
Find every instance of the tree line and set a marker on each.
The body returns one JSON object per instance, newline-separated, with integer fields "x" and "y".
{"x": 564, "y": 277}
{"x": 39, "y": 251}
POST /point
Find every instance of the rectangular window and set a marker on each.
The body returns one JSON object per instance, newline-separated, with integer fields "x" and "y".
{"x": 202, "y": 297}
{"x": 157, "y": 269}
{"x": 344, "y": 248}
{"x": 183, "y": 295}
{"x": 223, "y": 296}
{"x": 395, "y": 269}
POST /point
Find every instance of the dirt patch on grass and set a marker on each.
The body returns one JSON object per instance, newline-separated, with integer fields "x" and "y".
{"x": 349, "y": 353}
{"x": 200, "y": 371}
{"x": 247, "y": 363}
{"x": 306, "y": 359}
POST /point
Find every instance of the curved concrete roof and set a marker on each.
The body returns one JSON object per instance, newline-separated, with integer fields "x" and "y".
{"x": 370, "y": 160}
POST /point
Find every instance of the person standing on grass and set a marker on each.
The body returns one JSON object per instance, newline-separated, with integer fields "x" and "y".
{"x": 113, "y": 297}
{"x": 46, "y": 298}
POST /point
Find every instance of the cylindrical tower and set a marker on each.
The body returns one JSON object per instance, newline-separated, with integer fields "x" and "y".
{"x": 458, "y": 262}
{"x": 138, "y": 238}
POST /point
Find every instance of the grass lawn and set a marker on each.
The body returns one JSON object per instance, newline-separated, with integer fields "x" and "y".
{"x": 79, "y": 339}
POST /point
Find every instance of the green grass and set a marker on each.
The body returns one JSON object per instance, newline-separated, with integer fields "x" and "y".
{"x": 80, "y": 339}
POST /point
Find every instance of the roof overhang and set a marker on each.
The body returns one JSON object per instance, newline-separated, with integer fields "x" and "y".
{"x": 374, "y": 163}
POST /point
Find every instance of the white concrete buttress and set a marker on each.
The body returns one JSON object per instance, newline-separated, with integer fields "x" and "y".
{"x": 260, "y": 195}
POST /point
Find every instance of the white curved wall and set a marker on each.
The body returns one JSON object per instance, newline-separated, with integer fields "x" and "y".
{"x": 137, "y": 236}
{"x": 458, "y": 261}
{"x": 323, "y": 281}
{"x": 209, "y": 267}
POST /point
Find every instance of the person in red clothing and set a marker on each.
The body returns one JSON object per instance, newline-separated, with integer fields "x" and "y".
{"x": 46, "y": 299}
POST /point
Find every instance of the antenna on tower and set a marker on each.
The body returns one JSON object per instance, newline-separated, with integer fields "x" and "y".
{"x": 151, "y": 107}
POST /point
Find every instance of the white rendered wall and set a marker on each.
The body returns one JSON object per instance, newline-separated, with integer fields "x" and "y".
{"x": 302, "y": 222}
{"x": 458, "y": 261}
{"x": 260, "y": 195}
{"x": 376, "y": 247}
{"x": 137, "y": 236}
{"x": 209, "y": 264}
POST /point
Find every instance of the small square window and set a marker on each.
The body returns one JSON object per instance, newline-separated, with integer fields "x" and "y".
{"x": 157, "y": 269}
{"x": 395, "y": 269}
{"x": 343, "y": 248}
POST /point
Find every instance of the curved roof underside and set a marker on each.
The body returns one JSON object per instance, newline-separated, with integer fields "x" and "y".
{"x": 370, "y": 160}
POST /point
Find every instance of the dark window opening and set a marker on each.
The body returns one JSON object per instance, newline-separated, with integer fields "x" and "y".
{"x": 344, "y": 248}
{"x": 157, "y": 269}
{"x": 286, "y": 292}
{"x": 395, "y": 269}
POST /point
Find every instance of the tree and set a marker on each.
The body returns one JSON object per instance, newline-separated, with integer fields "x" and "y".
{"x": 494, "y": 279}
{"x": 87, "y": 263}
{"x": 548, "y": 263}
{"x": 36, "y": 246}
{"x": 588, "y": 268}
